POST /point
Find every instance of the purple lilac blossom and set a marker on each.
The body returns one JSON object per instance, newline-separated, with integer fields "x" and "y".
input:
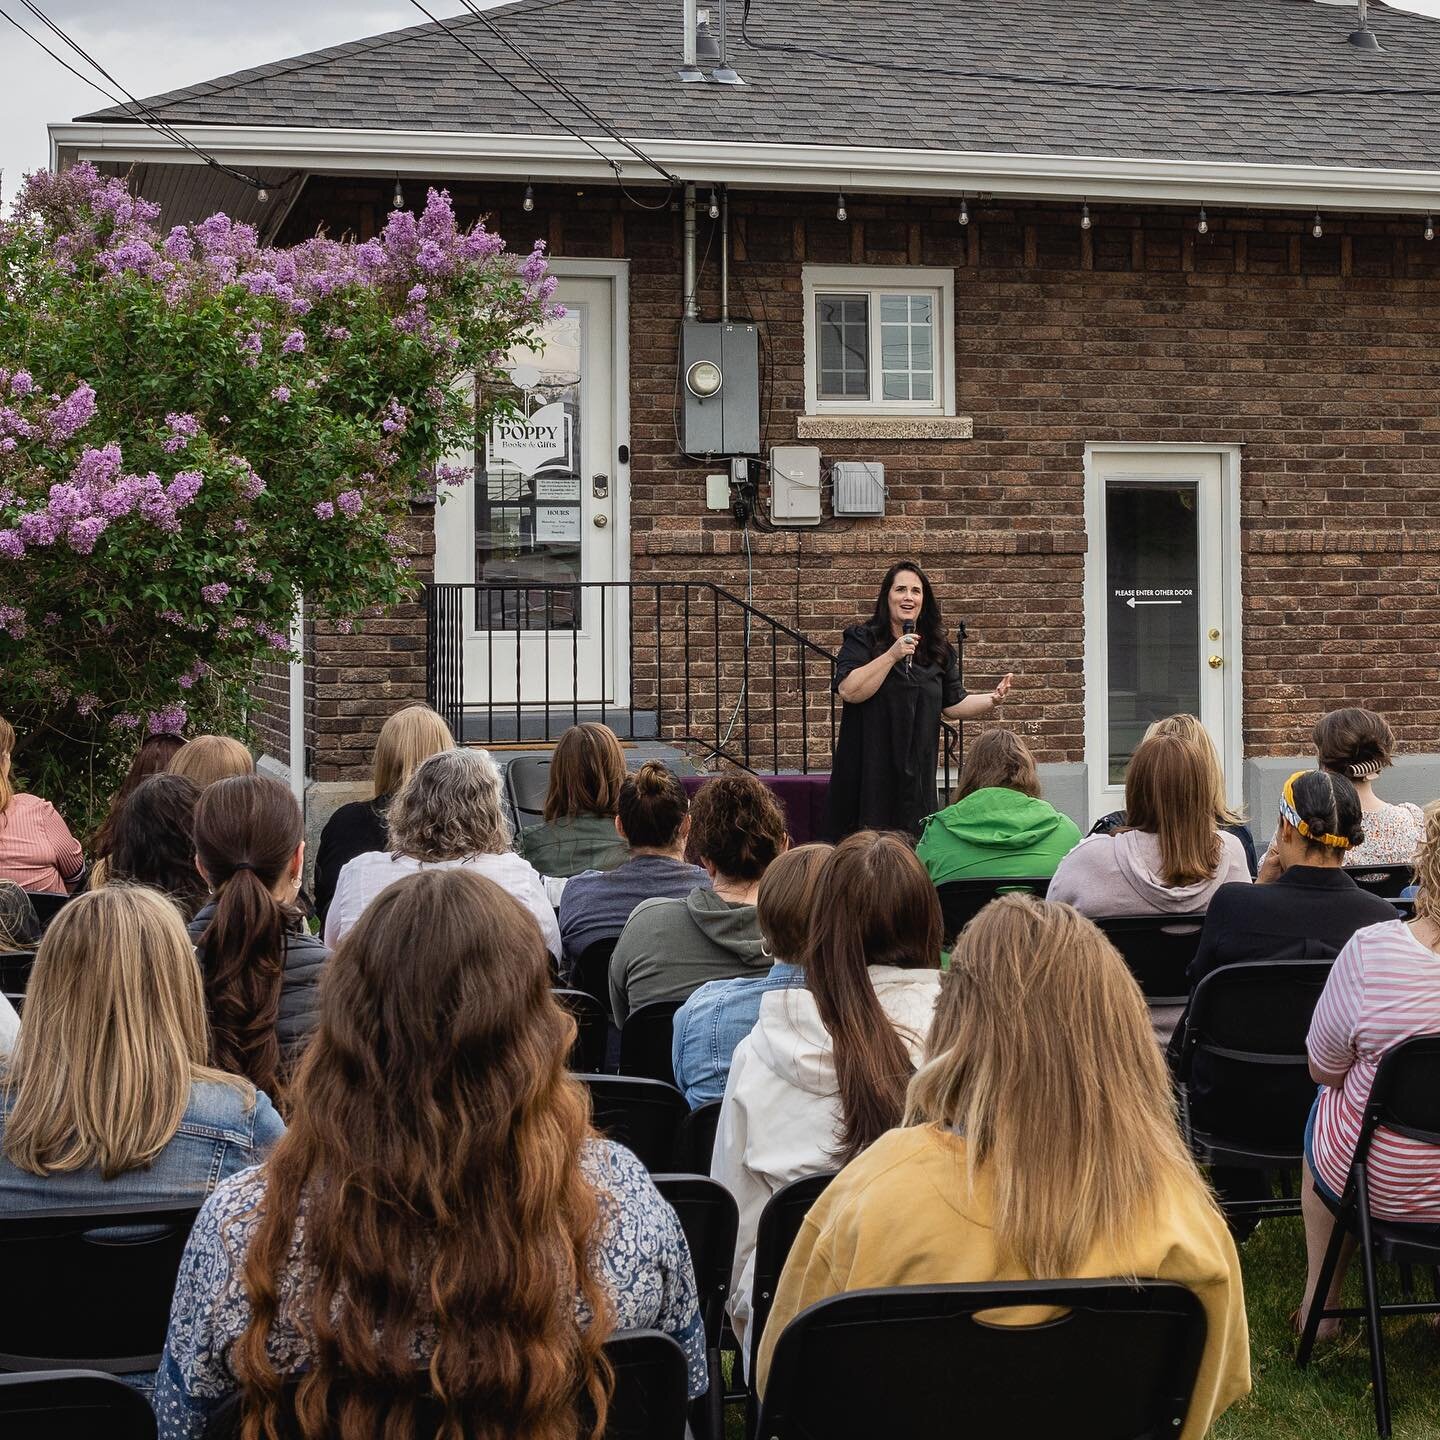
{"x": 215, "y": 593}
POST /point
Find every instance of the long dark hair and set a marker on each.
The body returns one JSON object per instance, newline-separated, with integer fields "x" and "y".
{"x": 153, "y": 842}
{"x": 435, "y": 1150}
{"x": 246, "y": 831}
{"x": 934, "y": 648}
{"x": 874, "y": 905}
{"x": 152, "y": 758}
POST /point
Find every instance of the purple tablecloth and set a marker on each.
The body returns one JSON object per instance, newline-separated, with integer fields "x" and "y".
{"x": 801, "y": 796}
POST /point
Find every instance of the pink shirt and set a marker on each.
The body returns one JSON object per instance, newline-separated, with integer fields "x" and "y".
{"x": 1383, "y": 988}
{"x": 37, "y": 852}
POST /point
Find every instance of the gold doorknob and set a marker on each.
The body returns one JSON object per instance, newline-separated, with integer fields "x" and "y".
{"x": 1216, "y": 662}
{"x": 601, "y": 521}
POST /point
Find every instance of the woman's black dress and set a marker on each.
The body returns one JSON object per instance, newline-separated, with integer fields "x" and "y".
{"x": 883, "y": 774}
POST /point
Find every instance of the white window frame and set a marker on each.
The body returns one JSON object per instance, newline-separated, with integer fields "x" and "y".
{"x": 874, "y": 281}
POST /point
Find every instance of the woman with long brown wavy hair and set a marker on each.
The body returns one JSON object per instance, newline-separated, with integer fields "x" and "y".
{"x": 1040, "y": 1142}
{"x": 440, "y": 1226}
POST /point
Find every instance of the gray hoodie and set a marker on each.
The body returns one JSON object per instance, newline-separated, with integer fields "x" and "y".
{"x": 670, "y": 947}
{"x": 1119, "y": 875}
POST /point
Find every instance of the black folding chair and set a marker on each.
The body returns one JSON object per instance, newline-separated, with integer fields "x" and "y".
{"x": 647, "y": 1403}
{"x": 47, "y": 905}
{"x": 647, "y": 1041}
{"x": 527, "y": 778}
{"x": 89, "y": 1288}
{"x": 780, "y": 1223}
{"x": 1404, "y": 1100}
{"x": 1158, "y": 949}
{"x": 644, "y": 1115}
{"x": 695, "y": 1144}
{"x": 15, "y": 966}
{"x": 592, "y": 970}
{"x": 1120, "y": 1360}
{"x": 1246, "y": 1072}
{"x": 592, "y": 1021}
{"x": 73, "y": 1405}
{"x": 1386, "y": 881}
{"x": 709, "y": 1218}
{"x": 962, "y": 900}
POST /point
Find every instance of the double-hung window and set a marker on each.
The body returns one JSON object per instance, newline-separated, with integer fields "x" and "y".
{"x": 879, "y": 340}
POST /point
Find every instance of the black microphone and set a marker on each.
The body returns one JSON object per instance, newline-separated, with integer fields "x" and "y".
{"x": 908, "y": 628}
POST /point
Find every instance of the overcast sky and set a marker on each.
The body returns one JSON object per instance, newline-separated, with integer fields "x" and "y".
{"x": 151, "y": 47}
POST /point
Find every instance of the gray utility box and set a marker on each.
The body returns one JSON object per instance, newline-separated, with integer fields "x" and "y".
{"x": 859, "y": 487}
{"x": 726, "y": 422}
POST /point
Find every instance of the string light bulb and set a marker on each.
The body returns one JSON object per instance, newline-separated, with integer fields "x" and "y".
{"x": 1202, "y": 225}
{"x": 841, "y": 213}
{"x": 964, "y": 211}
{"x": 398, "y": 199}
{"x": 262, "y": 195}
{"x": 1429, "y": 227}
{"x": 1085, "y": 216}
{"x": 714, "y": 210}
{"x": 528, "y": 203}
{"x": 1316, "y": 228}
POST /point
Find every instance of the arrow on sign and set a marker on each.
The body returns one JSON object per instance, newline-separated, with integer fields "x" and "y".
{"x": 1132, "y": 602}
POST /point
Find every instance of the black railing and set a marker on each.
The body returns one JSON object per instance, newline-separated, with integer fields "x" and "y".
{"x": 700, "y": 668}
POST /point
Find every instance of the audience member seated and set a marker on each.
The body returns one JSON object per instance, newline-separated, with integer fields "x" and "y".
{"x": 208, "y": 758}
{"x": 493, "y": 1237}
{"x": 108, "y": 1100}
{"x": 262, "y": 967}
{"x": 654, "y": 821}
{"x": 579, "y": 830}
{"x": 1169, "y": 859}
{"x": 37, "y": 851}
{"x": 721, "y": 1013}
{"x": 152, "y": 758}
{"x": 1187, "y": 727}
{"x": 9, "y": 1027}
{"x": 996, "y": 823}
{"x": 823, "y": 1073}
{"x": 406, "y": 738}
{"x": 19, "y": 925}
{"x": 1383, "y": 989}
{"x": 1039, "y": 1142}
{"x": 669, "y": 948}
{"x": 449, "y": 812}
{"x": 154, "y": 842}
{"x": 1358, "y": 744}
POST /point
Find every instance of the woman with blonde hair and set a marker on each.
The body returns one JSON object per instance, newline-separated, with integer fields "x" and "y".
{"x": 581, "y": 801}
{"x": 108, "y": 1098}
{"x": 37, "y": 851}
{"x": 1169, "y": 858}
{"x": 406, "y": 738}
{"x": 440, "y": 1228}
{"x": 449, "y": 812}
{"x": 208, "y": 758}
{"x": 1039, "y": 1143}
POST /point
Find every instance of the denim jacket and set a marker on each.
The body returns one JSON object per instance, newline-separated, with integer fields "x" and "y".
{"x": 713, "y": 1021}
{"x": 220, "y": 1134}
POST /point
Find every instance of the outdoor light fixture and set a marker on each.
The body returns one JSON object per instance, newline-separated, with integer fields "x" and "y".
{"x": 714, "y": 210}
{"x": 841, "y": 213}
{"x": 262, "y": 195}
{"x": 703, "y": 379}
{"x": 1317, "y": 229}
{"x": 529, "y": 201}
{"x": 964, "y": 212}
{"x": 1202, "y": 225}
{"x": 398, "y": 200}
{"x": 1429, "y": 227}
{"x": 1085, "y": 216}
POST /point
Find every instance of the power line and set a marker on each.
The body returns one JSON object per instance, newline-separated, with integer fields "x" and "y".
{"x": 930, "y": 71}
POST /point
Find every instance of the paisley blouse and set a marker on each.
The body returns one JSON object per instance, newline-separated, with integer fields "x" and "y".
{"x": 642, "y": 1261}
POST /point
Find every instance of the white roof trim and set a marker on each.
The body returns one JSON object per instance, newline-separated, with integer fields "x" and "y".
{"x": 765, "y": 166}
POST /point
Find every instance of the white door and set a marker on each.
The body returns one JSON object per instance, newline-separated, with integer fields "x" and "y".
{"x": 1161, "y": 605}
{"x": 542, "y": 527}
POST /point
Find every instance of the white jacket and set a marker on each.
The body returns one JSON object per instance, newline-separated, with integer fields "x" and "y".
{"x": 780, "y": 1118}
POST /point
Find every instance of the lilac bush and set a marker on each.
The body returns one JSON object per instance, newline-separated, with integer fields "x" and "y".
{"x": 195, "y": 429}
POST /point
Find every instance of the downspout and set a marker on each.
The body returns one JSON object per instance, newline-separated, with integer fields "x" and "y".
{"x": 297, "y": 703}
{"x": 724, "y": 254}
{"x": 692, "y": 300}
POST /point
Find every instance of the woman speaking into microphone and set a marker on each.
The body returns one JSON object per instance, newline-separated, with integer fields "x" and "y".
{"x": 899, "y": 677}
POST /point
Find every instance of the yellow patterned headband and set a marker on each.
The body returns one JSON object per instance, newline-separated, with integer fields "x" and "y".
{"x": 1290, "y": 813}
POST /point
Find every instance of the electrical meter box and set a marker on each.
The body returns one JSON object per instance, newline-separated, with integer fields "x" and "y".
{"x": 795, "y": 485}
{"x": 720, "y": 389}
{"x": 859, "y": 487}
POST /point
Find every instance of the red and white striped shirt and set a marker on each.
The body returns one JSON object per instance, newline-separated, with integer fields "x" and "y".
{"x": 1383, "y": 988}
{"x": 37, "y": 851}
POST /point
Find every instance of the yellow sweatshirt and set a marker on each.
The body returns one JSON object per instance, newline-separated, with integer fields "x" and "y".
{"x": 901, "y": 1215}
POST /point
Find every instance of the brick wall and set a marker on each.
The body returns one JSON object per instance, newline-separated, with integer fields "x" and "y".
{"x": 1319, "y": 357}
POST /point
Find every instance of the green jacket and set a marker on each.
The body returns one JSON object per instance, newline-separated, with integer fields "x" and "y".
{"x": 584, "y": 842}
{"x": 996, "y": 832}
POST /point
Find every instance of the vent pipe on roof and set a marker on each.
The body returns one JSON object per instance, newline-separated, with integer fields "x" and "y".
{"x": 723, "y": 73}
{"x": 1363, "y": 38}
{"x": 691, "y": 70}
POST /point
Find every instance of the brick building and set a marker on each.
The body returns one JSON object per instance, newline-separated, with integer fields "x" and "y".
{"x": 1137, "y": 306}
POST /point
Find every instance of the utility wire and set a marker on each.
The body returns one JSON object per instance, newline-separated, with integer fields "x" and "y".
{"x": 930, "y": 71}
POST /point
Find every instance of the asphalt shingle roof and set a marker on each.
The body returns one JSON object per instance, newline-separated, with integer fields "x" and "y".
{"x": 621, "y": 56}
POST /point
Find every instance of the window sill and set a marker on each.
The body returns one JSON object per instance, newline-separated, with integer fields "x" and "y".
{"x": 885, "y": 427}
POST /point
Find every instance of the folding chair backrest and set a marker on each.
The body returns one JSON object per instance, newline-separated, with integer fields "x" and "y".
{"x": 15, "y": 966}
{"x": 646, "y": 1041}
{"x": 592, "y": 973}
{"x": 1386, "y": 881}
{"x": 709, "y": 1218}
{"x": 1119, "y": 1361}
{"x": 527, "y": 778}
{"x": 72, "y": 1405}
{"x": 89, "y": 1289}
{"x": 644, "y": 1115}
{"x": 1158, "y": 949}
{"x": 1405, "y": 1095}
{"x": 591, "y": 1021}
{"x": 695, "y": 1144}
{"x": 1247, "y": 1028}
{"x": 962, "y": 900}
{"x": 48, "y": 905}
{"x": 780, "y": 1223}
